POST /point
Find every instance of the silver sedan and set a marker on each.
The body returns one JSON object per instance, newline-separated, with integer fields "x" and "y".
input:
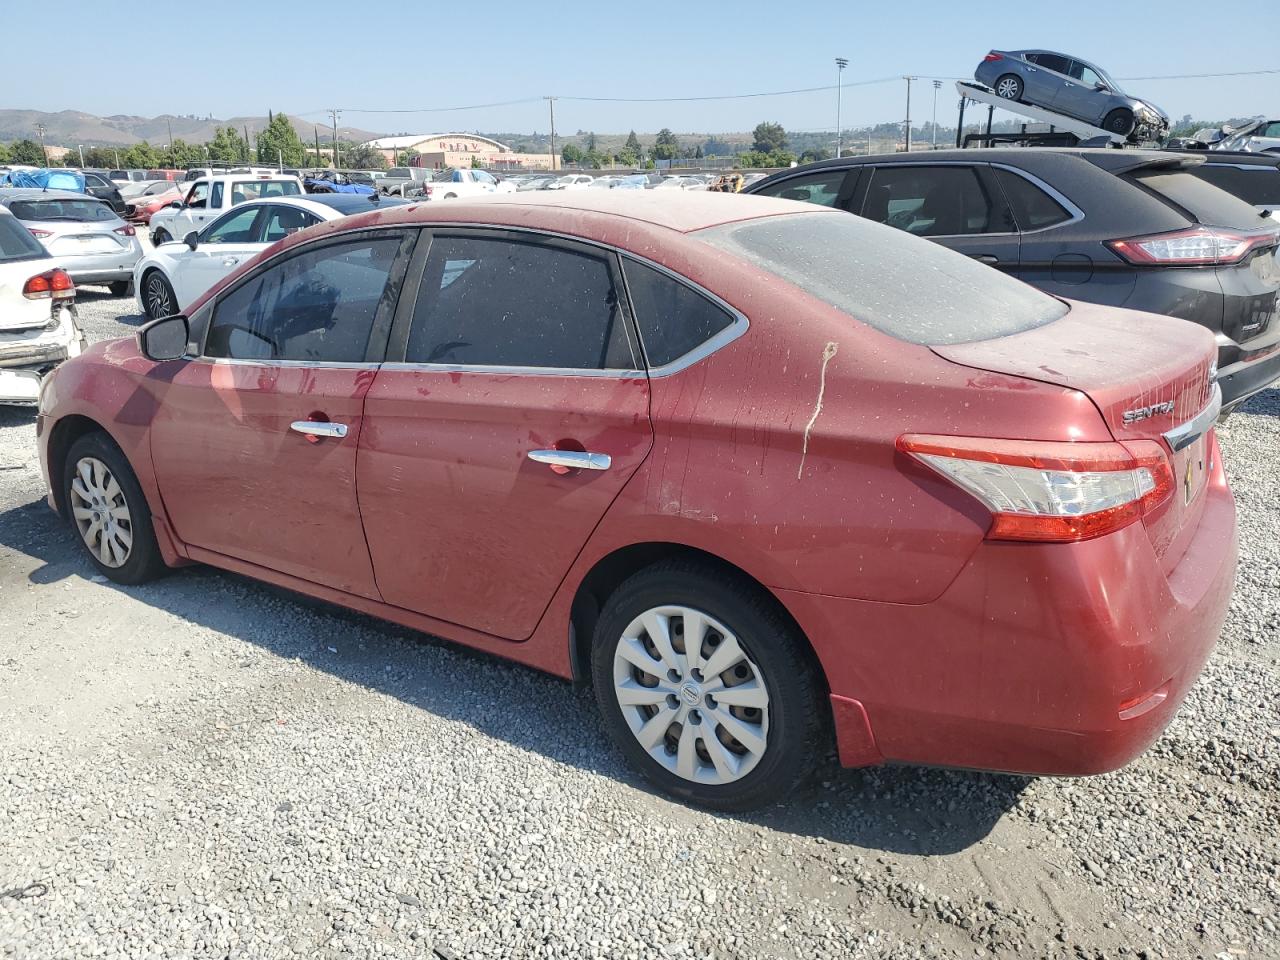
{"x": 83, "y": 234}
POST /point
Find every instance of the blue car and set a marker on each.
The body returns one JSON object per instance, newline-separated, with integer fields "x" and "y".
{"x": 1076, "y": 88}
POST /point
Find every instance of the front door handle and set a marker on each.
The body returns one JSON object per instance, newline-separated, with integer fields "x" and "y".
{"x": 572, "y": 459}
{"x": 319, "y": 428}
{"x": 230, "y": 261}
{"x": 987, "y": 258}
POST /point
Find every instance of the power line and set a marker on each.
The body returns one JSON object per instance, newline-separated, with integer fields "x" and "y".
{"x": 1204, "y": 76}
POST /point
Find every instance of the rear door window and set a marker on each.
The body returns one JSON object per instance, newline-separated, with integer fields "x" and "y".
{"x": 822, "y": 188}
{"x": 674, "y": 319}
{"x": 905, "y": 287}
{"x": 1033, "y": 208}
{"x": 942, "y": 201}
{"x": 1203, "y": 201}
{"x": 1055, "y": 62}
{"x": 488, "y": 301}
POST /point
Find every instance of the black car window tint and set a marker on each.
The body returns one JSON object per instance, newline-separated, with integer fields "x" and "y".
{"x": 494, "y": 302}
{"x": 319, "y": 305}
{"x": 942, "y": 201}
{"x": 821, "y": 188}
{"x": 1033, "y": 209}
{"x": 673, "y": 318}
{"x": 1052, "y": 61}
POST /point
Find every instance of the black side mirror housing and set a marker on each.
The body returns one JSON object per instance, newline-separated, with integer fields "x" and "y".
{"x": 192, "y": 240}
{"x": 165, "y": 339}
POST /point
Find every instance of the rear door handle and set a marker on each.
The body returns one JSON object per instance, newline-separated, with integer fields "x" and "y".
{"x": 572, "y": 459}
{"x": 230, "y": 261}
{"x": 986, "y": 258}
{"x": 319, "y": 428}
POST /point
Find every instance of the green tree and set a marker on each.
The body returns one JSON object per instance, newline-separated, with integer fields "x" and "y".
{"x": 227, "y": 146}
{"x": 571, "y": 153}
{"x": 141, "y": 156}
{"x": 591, "y": 142}
{"x": 280, "y": 143}
{"x": 697, "y": 153}
{"x": 666, "y": 146}
{"x": 632, "y": 146}
{"x": 768, "y": 138}
{"x": 361, "y": 156}
{"x": 182, "y": 154}
{"x": 4, "y": 153}
{"x": 813, "y": 155}
{"x": 26, "y": 151}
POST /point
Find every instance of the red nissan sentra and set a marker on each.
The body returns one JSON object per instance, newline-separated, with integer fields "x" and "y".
{"x": 771, "y": 477}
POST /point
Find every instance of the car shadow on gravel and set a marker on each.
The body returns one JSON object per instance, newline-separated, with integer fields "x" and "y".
{"x": 890, "y": 809}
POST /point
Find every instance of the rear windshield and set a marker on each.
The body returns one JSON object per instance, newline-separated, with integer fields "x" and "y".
{"x": 1205, "y": 202}
{"x": 16, "y": 243}
{"x": 242, "y": 190}
{"x": 902, "y": 285}
{"x": 82, "y": 211}
{"x": 400, "y": 173}
{"x": 1258, "y": 185}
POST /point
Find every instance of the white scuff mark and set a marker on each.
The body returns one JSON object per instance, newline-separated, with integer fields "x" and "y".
{"x": 828, "y": 352}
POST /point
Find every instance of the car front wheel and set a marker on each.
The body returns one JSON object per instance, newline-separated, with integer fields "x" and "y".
{"x": 105, "y": 503}
{"x": 1119, "y": 121}
{"x": 160, "y": 236}
{"x": 158, "y": 299}
{"x": 707, "y": 689}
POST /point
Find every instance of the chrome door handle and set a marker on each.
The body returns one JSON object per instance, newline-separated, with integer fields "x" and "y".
{"x": 319, "y": 428}
{"x": 986, "y": 258}
{"x": 230, "y": 261}
{"x": 572, "y": 459}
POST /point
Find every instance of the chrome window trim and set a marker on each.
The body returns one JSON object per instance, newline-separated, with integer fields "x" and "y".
{"x": 310, "y": 364}
{"x": 1076, "y": 213}
{"x": 406, "y": 366}
{"x": 1185, "y": 434}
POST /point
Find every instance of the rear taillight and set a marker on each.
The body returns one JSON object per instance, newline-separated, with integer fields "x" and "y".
{"x": 126, "y": 231}
{"x": 1056, "y": 492}
{"x": 53, "y": 284}
{"x": 39, "y": 234}
{"x": 1195, "y": 246}
{"x": 992, "y": 57}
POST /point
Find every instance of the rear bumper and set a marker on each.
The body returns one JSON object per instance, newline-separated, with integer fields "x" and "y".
{"x": 27, "y": 355}
{"x": 1243, "y": 378}
{"x": 1059, "y": 659}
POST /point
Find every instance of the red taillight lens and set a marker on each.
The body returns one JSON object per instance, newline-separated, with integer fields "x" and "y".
{"x": 1052, "y": 492}
{"x": 1195, "y": 246}
{"x": 126, "y": 231}
{"x": 54, "y": 284}
{"x": 992, "y": 57}
{"x": 39, "y": 234}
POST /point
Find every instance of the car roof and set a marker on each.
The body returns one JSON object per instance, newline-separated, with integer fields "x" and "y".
{"x": 36, "y": 193}
{"x": 348, "y": 203}
{"x": 683, "y": 212}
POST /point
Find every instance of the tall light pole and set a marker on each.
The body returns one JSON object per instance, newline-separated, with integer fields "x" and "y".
{"x": 908, "y": 134}
{"x": 841, "y": 63}
{"x": 80, "y": 147}
{"x": 552, "y": 102}
{"x": 334, "y": 113}
{"x": 933, "y": 127}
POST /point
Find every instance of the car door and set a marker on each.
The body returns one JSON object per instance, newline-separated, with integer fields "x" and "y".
{"x": 1045, "y": 79}
{"x": 221, "y": 246}
{"x": 1078, "y": 95}
{"x": 193, "y": 212}
{"x": 254, "y": 440}
{"x": 517, "y": 413}
{"x": 957, "y": 205}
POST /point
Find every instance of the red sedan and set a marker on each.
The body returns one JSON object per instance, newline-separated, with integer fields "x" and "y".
{"x": 770, "y": 477}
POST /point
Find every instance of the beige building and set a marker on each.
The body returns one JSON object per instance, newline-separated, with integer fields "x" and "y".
{"x": 438, "y": 150}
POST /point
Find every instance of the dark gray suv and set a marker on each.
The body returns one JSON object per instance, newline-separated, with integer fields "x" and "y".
{"x": 1073, "y": 87}
{"x": 1126, "y": 228}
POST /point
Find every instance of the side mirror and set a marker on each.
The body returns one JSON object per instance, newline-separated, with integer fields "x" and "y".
{"x": 1101, "y": 87}
{"x": 192, "y": 240}
{"x": 164, "y": 339}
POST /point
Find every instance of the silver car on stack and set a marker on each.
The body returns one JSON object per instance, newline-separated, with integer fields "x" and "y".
{"x": 83, "y": 234}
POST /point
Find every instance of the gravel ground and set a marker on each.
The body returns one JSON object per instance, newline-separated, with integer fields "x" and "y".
{"x": 206, "y": 767}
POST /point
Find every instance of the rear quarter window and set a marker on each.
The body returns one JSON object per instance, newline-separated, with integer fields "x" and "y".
{"x": 1257, "y": 185}
{"x": 1206, "y": 203}
{"x": 904, "y": 286}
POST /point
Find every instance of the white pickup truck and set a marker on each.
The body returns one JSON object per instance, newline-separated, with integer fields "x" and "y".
{"x": 210, "y": 197}
{"x": 459, "y": 182}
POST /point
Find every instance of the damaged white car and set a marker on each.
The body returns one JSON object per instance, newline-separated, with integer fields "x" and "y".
{"x": 38, "y": 325}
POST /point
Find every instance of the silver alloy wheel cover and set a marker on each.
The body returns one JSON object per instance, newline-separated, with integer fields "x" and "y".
{"x": 681, "y": 707}
{"x": 158, "y": 297}
{"x": 101, "y": 513}
{"x": 1007, "y": 88}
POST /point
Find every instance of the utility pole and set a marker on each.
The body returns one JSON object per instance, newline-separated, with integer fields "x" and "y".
{"x": 841, "y": 63}
{"x": 937, "y": 85}
{"x": 169, "y": 124}
{"x": 317, "y": 132}
{"x": 40, "y": 128}
{"x": 334, "y": 113}
{"x": 908, "y": 133}
{"x": 246, "y": 143}
{"x": 551, "y": 101}
{"x": 80, "y": 147}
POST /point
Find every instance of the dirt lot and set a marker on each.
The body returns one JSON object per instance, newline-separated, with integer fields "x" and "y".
{"x": 205, "y": 767}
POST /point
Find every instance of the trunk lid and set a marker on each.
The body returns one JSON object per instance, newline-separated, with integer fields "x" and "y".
{"x": 1148, "y": 375}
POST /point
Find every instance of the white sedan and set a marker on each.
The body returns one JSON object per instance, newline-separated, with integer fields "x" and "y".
{"x": 175, "y": 274}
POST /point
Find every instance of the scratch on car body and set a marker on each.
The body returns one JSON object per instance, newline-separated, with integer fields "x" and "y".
{"x": 828, "y": 352}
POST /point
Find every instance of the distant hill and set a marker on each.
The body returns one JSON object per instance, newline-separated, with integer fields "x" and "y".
{"x": 70, "y": 128}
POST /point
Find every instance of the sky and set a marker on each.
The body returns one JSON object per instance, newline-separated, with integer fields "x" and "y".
{"x": 238, "y": 61}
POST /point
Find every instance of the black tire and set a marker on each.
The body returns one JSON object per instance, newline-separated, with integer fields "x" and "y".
{"x": 797, "y": 739}
{"x": 142, "y": 561}
{"x": 156, "y": 292}
{"x": 160, "y": 236}
{"x": 451, "y": 196}
{"x": 1119, "y": 121}
{"x": 1009, "y": 87}
{"x": 119, "y": 288}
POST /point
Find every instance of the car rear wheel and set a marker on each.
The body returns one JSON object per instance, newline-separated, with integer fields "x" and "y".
{"x": 160, "y": 236}
{"x": 706, "y": 688}
{"x": 1009, "y": 87}
{"x": 1119, "y": 121}
{"x": 106, "y": 505}
{"x": 158, "y": 299}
